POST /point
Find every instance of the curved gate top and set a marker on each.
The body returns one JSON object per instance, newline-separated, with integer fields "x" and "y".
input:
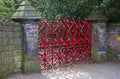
{"x": 64, "y": 42}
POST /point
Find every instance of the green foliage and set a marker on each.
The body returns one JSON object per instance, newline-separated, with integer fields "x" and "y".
{"x": 111, "y": 9}
{"x": 7, "y": 8}
{"x": 58, "y": 8}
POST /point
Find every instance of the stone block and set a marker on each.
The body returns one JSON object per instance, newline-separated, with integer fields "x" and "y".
{"x": 18, "y": 35}
{"x": 18, "y": 65}
{"x": 5, "y": 48}
{"x": 11, "y": 34}
{"x": 4, "y": 28}
{"x": 5, "y": 41}
{"x": 0, "y": 48}
{"x": 5, "y": 34}
{"x": 1, "y": 34}
{"x": 17, "y": 47}
{"x": 17, "y": 28}
{"x": 10, "y": 47}
{"x": 17, "y": 52}
{"x": 11, "y": 41}
{"x": 1, "y": 62}
{"x": 10, "y": 28}
{"x": 0, "y": 27}
{"x": 1, "y": 41}
{"x": 12, "y": 67}
{"x": 18, "y": 58}
{"x": 18, "y": 41}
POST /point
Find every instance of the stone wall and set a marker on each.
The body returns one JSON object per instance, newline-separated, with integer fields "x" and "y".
{"x": 10, "y": 48}
{"x": 113, "y": 39}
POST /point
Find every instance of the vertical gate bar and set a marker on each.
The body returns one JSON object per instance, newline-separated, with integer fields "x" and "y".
{"x": 72, "y": 47}
{"x": 79, "y": 38}
{"x": 45, "y": 43}
{"x": 44, "y": 52}
{"x": 63, "y": 44}
{"x": 74, "y": 38}
{"x": 90, "y": 24}
{"x": 83, "y": 36}
{"x": 66, "y": 34}
{"x": 58, "y": 43}
{"x": 53, "y": 41}
{"x": 52, "y": 38}
{"x": 66, "y": 46}
{"x": 52, "y": 44}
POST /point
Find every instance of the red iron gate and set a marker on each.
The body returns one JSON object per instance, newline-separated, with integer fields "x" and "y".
{"x": 64, "y": 42}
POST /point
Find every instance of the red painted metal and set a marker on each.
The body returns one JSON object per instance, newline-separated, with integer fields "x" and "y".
{"x": 64, "y": 42}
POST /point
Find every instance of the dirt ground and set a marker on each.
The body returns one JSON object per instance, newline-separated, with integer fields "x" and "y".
{"x": 76, "y": 71}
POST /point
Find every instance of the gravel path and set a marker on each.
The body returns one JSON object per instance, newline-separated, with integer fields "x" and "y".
{"x": 81, "y": 71}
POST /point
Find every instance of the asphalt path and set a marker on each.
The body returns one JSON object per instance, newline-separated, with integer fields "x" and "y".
{"x": 75, "y": 71}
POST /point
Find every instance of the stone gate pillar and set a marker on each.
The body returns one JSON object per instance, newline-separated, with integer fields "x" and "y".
{"x": 99, "y": 34}
{"x": 27, "y": 16}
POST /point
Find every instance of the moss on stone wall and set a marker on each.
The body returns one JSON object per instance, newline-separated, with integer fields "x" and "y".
{"x": 95, "y": 55}
{"x": 23, "y": 61}
{"x": 1, "y": 76}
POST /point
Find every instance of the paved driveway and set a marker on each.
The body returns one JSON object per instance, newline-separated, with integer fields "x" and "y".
{"x": 81, "y": 71}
